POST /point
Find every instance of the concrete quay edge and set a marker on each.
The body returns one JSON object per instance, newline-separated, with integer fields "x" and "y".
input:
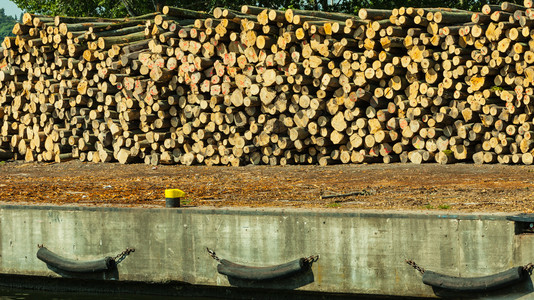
{"x": 361, "y": 252}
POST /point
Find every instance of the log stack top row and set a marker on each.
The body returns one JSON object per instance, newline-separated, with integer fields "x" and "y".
{"x": 264, "y": 86}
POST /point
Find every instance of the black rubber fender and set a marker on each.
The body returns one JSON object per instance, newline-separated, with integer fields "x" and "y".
{"x": 475, "y": 284}
{"x": 289, "y": 269}
{"x": 70, "y": 265}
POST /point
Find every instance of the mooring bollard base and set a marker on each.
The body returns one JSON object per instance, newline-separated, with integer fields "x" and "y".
{"x": 172, "y": 202}
{"x": 173, "y": 197}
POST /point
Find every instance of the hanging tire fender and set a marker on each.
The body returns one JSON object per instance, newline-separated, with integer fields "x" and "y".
{"x": 474, "y": 284}
{"x": 70, "y": 265}
{"x": 285, "y": 270}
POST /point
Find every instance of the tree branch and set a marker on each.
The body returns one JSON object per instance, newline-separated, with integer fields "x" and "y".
{"x": 129, "y": 9}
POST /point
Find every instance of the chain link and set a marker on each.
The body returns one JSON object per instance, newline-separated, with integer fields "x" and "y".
{"x": 528, "y": 268}
{"x": 311, "y": 259}
{"x": 121, "y": 256}
{"x": 213, "y": 254}
{"x": 415, "y": 266}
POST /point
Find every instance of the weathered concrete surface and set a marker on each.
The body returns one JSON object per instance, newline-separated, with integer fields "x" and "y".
{"x": 360, "y": 252}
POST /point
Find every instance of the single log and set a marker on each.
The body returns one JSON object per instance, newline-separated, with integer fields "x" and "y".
{"x": 107, "y": 42}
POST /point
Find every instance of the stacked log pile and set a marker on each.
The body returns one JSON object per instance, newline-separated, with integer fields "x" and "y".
{"x": 262, "y": 86}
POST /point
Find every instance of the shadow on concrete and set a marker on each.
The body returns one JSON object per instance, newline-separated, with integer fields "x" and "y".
{"x": 287, "y": 283}
{"x": 111, "y": 274}
{"x": 515, "y": 291}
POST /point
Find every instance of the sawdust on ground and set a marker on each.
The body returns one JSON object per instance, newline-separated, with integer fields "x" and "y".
{"x": 458, "y": 187}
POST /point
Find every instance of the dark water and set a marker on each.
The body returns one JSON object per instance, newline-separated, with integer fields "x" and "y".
{"x": 20, "y": 294}
{"x": 50, "y": 288}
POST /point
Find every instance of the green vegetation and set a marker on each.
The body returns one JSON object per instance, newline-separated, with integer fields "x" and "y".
{"x": 333, "y": 205}
{"x": 441, "y": 206}
{"x": 428, "y": 206}
{"x": 122, "y": 8}
{"x": 186, "y": 201}
{"x": 473, "y": 5}
{"x": 6, "y": 24}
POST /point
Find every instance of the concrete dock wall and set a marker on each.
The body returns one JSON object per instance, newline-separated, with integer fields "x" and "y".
{"x": 360, "y": 252}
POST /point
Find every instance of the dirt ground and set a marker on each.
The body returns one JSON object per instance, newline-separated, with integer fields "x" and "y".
{"x": 459, "y": 187}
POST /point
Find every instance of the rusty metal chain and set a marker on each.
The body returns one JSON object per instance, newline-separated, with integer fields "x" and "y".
{"x": 213, "y": 254}
{"x": 415, "y": 266}
{"x": 529, "y": 268}
{"x": 311, "y": 259}
{"x": 121, "y": 256}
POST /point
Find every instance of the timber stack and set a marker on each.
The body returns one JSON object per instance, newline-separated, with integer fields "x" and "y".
{"x": 263, "y": 86}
